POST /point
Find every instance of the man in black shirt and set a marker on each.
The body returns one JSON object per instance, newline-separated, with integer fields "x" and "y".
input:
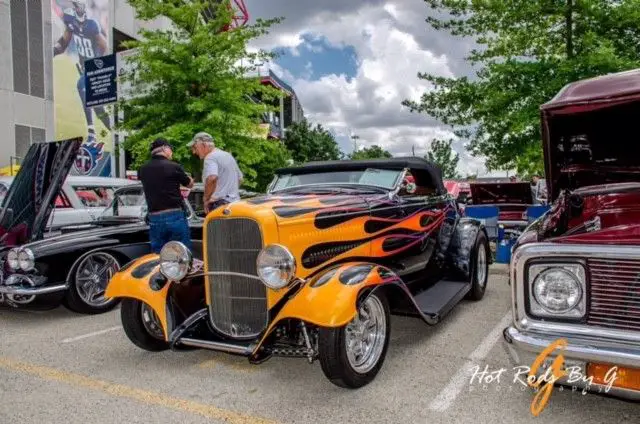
{"x": 161, "y": 180}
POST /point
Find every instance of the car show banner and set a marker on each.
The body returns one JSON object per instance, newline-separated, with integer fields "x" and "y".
{"x": 100, "y": 78}
{"x": 80, "y": 34}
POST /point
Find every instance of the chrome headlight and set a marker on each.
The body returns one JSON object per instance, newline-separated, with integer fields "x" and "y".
{"x": 276, "y": 266}
{"x": 12, "y": 259}
{"x": 557, "y": 290}
{"x": 26, "y": 260}
{"x": 175, "y": 260}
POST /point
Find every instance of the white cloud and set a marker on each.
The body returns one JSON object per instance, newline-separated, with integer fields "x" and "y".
{"x": 389, "y": 41}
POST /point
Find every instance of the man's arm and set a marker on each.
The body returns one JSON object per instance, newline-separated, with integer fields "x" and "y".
{"x": 102, "y": 43}
{"x": 183, "y": 178}
{"x": 209, "y": 188}
{"x": 210, "y": 173}
{"x": 62, "y": 43}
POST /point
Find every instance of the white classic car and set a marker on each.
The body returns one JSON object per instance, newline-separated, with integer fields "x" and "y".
{"x": 81, "y": 199}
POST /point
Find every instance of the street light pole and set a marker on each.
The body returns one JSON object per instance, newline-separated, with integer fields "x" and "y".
{"x": 355, "y": 137}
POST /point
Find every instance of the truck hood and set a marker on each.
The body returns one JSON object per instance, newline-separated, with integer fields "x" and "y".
{"x": 25, "y": 210}
{"x": 589, "y": 133}
{"x": 501, "y": 193}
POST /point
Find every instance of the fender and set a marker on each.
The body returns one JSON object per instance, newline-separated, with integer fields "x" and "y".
{"x": 464, "y": 237}
{"x": 331, "y": 298}
{"x": 134, "y": 281}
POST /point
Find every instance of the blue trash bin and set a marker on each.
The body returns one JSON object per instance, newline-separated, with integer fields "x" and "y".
{"x": 503, "y": 250}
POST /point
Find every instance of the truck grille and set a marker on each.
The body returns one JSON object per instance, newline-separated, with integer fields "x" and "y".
{"x": 237, "y": 303}
{"x": 615, "y": 293}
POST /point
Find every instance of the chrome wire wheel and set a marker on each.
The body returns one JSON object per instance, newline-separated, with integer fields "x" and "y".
{"x": 93, "y": 275}
{"x": 365, "y": 336}
{"x": 151, "y": 322}
{"x": 481, "y": 266}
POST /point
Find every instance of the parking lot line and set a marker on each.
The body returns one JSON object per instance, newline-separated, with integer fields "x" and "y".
{"x": 448, "y": 395}
{"x": 95, "y": 333}
{"x": 118, "y": 390}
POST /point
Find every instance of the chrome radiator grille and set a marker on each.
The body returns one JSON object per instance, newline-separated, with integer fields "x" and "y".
{"x": 615, "y": 293}
{"x": 237, "y": 303}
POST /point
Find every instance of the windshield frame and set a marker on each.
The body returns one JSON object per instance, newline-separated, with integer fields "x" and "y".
{"x": 113, "y": 206}
{"x": 396, "y": 183}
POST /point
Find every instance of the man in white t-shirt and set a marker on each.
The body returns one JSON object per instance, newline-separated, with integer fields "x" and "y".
{"x": 220, "y": 172}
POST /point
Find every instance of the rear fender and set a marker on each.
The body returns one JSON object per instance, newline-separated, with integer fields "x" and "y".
{"x": 138, "y": 280}
{"x": 464, "y": 238}
{"x": 331, "y": 298}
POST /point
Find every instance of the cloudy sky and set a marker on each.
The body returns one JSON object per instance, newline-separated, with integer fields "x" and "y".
{"x": 352, "y": 63}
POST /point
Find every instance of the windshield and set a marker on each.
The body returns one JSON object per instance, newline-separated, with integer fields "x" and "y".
{"x": 128, "y": 202}
{"x": 384, "y": 178}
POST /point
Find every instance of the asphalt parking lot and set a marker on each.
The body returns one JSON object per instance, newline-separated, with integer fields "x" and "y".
{"x": 57, "y": 366}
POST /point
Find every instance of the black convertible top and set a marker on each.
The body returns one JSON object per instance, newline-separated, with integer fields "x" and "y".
{"x": 425, "y": 172}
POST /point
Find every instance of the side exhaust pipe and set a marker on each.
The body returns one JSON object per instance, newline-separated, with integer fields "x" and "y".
{"x": 244, "y": 350}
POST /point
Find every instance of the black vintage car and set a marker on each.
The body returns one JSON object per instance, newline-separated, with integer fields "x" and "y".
{"x": 40, "y": 269}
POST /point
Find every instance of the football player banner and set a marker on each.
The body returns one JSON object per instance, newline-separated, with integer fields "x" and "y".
{"x": 81, "y": 31}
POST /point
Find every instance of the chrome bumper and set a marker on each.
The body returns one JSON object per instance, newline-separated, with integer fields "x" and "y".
{"x": 25, "y": 285}
{"x": 510, "y": 224}
{"x": 524, "y": 347}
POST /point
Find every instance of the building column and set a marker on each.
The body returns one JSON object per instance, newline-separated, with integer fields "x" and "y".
{"x": 282, "y": 113}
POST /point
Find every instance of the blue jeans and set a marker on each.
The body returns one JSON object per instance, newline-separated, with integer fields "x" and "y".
{"x": 166, "y": 227}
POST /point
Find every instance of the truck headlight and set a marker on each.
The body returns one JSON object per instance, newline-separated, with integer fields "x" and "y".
{"x": 12, "y": 259}
{"x": 26, "y": 259}
{"x": 557, "y": 290}
{"x": 175, "y": 260}
{"x": 276, "y": 266}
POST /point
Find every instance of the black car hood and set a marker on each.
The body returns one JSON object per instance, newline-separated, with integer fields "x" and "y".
{"x": 88, "y": 239}
{"x": 26, "y": 208}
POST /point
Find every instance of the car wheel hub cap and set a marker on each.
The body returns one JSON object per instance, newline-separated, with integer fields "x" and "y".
{"x": 151, "y": 322}
{"x": 93, "y": 275}
{"x": 365, "y": 335}
{"x": 482, "y": 266}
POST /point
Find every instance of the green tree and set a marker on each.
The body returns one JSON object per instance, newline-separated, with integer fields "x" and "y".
{"x": 373, "y": 152}
{"x": 193, "y": 77}
{"x": 275, "y": 155}
{"x": 307, "y": 143}
{"x": 528, "y": 51}
{"x": 442, "y": 154}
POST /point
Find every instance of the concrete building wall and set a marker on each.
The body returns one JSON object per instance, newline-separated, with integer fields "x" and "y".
{"x": 30, "y": 111}
{"x": 25, "y": 117}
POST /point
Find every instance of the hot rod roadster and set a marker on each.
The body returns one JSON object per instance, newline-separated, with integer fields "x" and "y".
{"x": 313, "y": 269}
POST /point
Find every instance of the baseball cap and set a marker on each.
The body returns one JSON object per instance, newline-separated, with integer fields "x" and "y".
{"x": 160, "y": 142}
{"x": 200, "y": 135}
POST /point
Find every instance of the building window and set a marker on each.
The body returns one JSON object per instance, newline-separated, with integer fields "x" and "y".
{"x": 27, "y": 47}
{"x": 25, "y": 136}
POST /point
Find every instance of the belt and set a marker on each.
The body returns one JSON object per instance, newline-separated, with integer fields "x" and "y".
{"x": 166, "y": 211}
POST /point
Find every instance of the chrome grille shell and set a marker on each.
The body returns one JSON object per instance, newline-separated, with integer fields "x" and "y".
{"x": 236, "y": 297}
{"x": 614, "y": 299}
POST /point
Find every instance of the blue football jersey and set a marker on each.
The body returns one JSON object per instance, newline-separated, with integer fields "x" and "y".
{"x": 84, "y": 36}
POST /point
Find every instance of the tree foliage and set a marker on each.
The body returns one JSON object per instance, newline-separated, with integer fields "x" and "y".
{"x": 442, "y": 154}
{"x": 373, "y": 152}
{"x": 193, "y": 77}
{"x": 529, "y": 51}
{"x": 307, "y": 143}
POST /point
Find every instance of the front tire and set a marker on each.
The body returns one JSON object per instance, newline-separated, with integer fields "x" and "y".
{"x": 142, "y": 326}
{"x": 88, "y": 284}
{"x": 479, "y": 267}
{"x": 351, "y": 356}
